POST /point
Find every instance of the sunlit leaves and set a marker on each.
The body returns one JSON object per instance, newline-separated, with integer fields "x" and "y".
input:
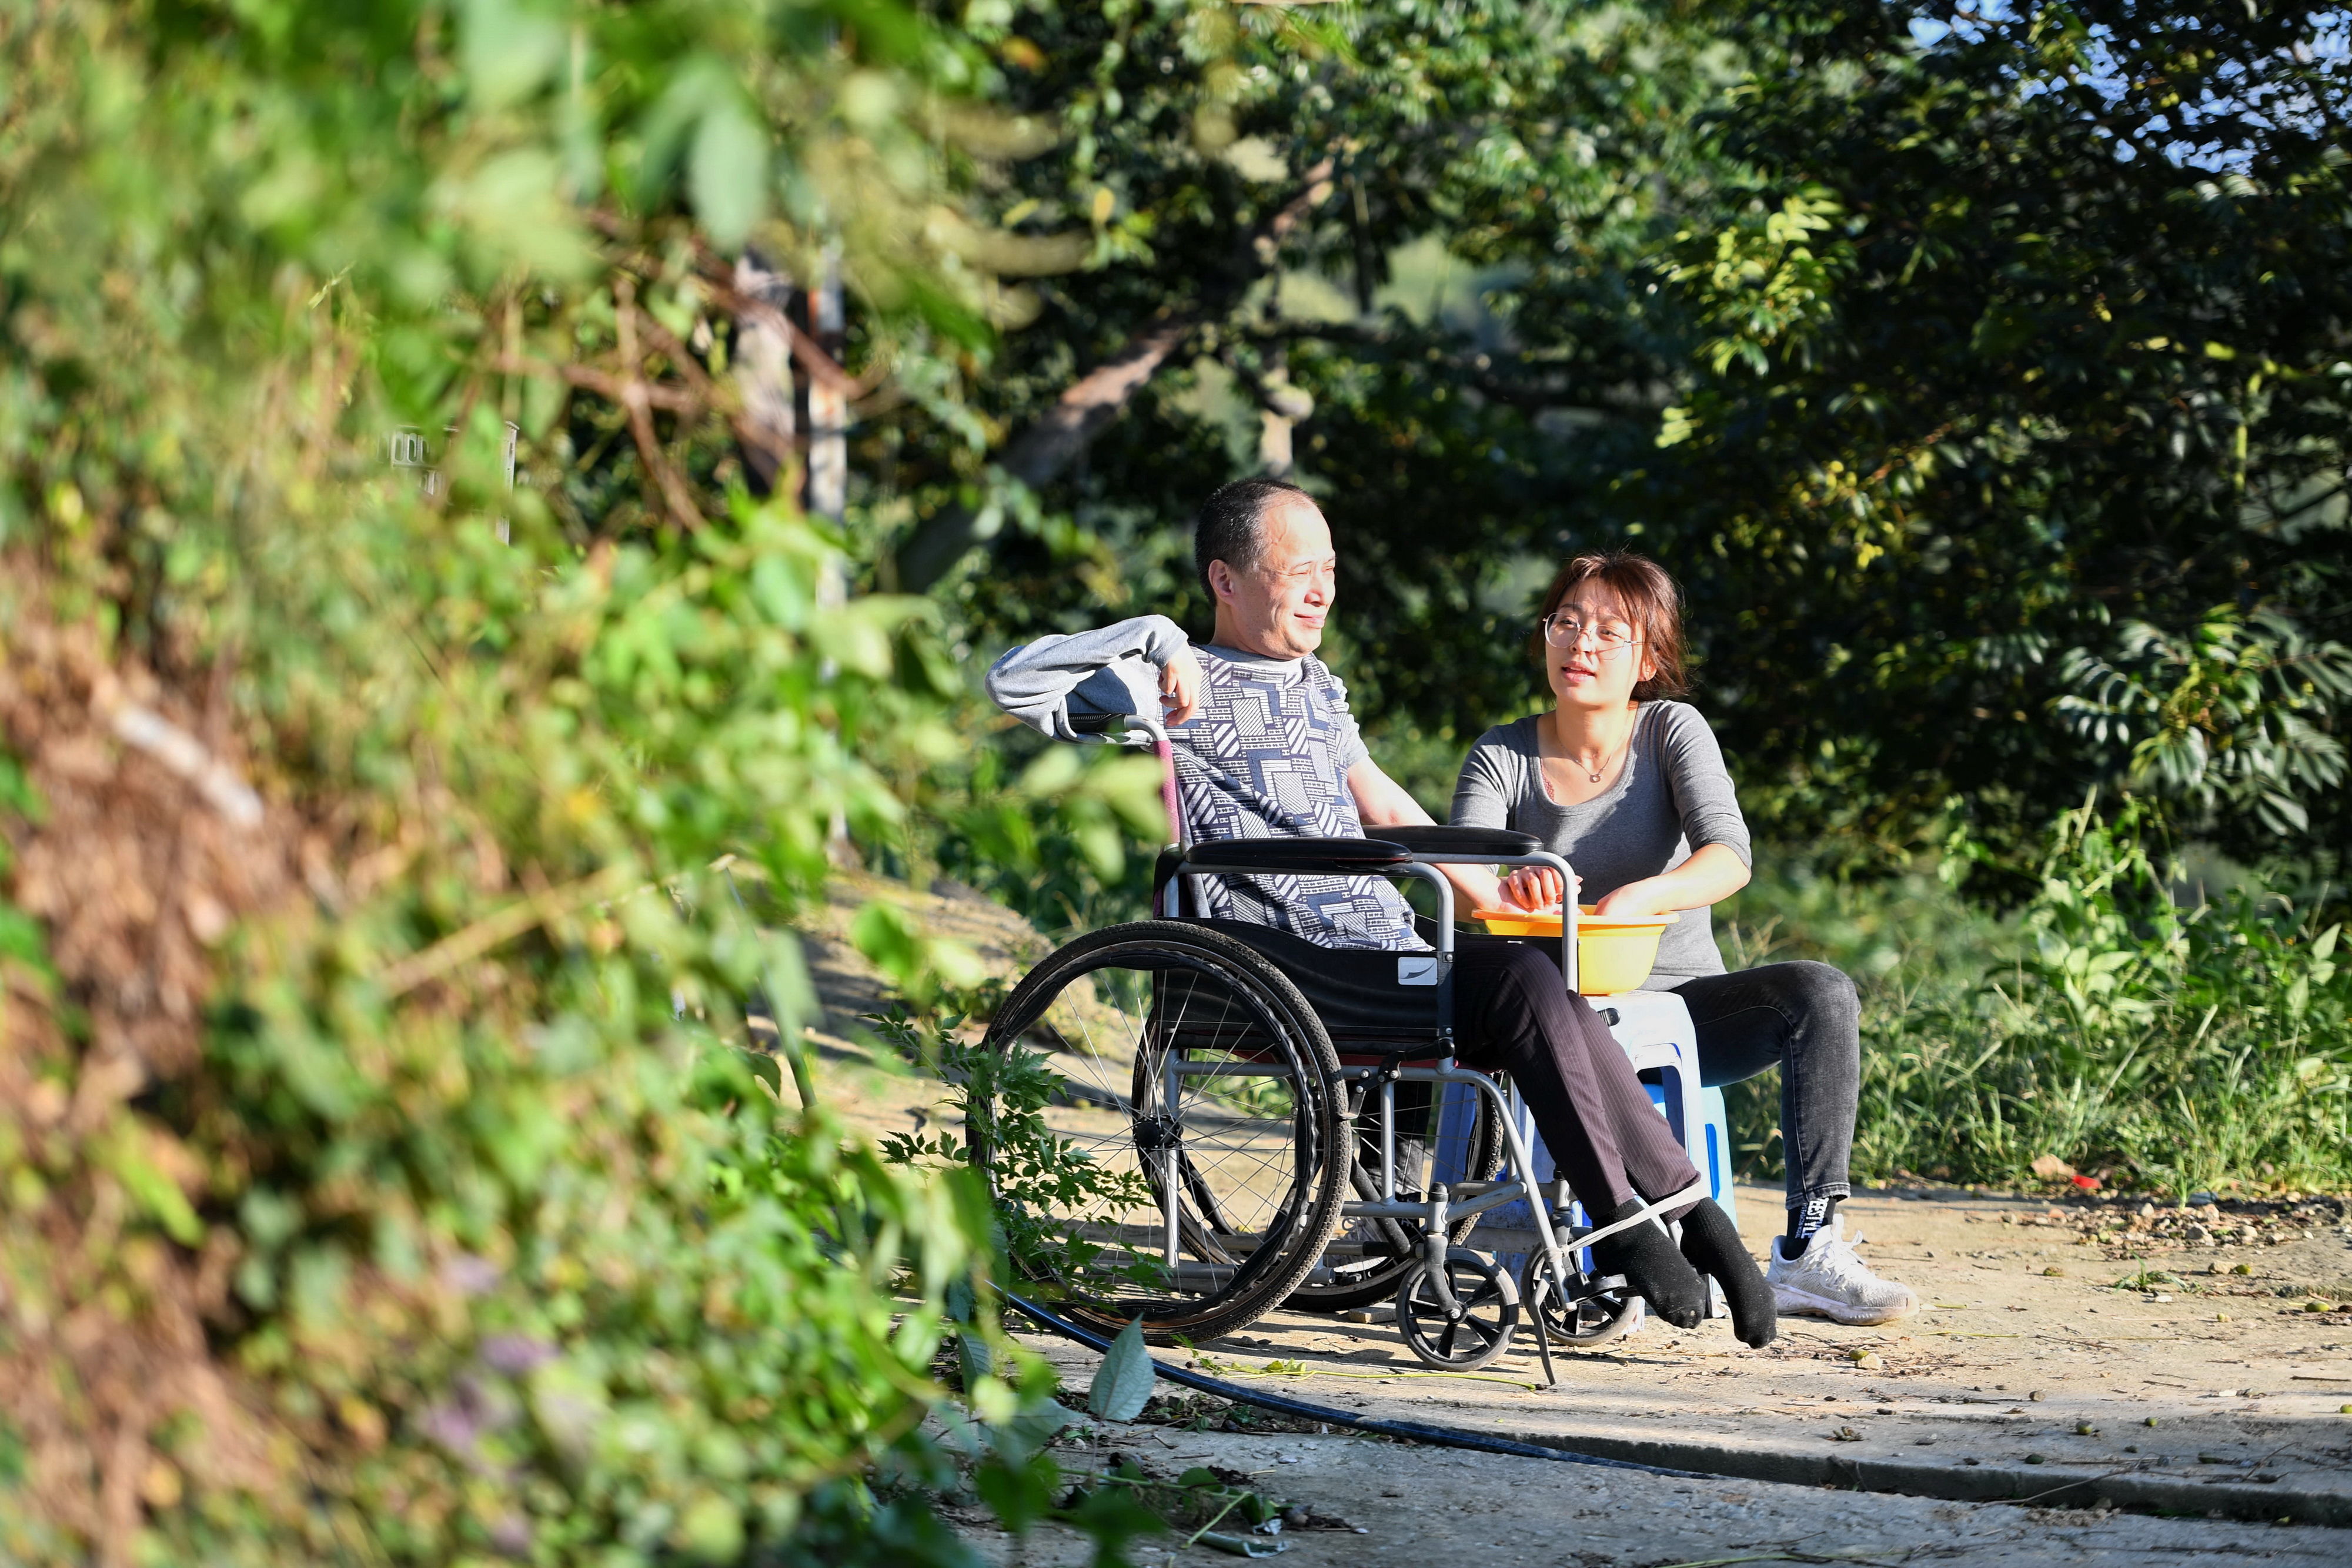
{"x": 2023, "y": 391}
{"x": 1766, "y": 283}
{"x": 2230, "y": 715}
{"x": 514, "y": 1249}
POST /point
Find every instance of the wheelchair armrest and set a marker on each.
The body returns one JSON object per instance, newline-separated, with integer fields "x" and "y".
{"x": 1098, "y": 723}
{"x": 1439, "y": 838}
{"x": 1312, "y": 857}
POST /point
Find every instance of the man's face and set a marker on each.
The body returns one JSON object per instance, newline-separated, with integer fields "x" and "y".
{"x": 1278, "y": 606}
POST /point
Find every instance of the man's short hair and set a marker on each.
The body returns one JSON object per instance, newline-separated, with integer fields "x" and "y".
{"x": 1227, "y": 528}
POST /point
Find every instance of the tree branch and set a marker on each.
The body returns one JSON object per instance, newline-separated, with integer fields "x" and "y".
{"x": 1088, "y": 406}
{"x": 727, "y": 288}
{"x": 636, "y": 400}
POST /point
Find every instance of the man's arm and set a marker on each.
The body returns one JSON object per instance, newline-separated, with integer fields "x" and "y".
{"x": 1122, "y": 668}
{"x": 1381, "y": 800}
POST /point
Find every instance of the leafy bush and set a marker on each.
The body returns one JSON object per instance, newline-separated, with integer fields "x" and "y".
{"x": 379, "y": 1176}
{"x": 1001, "y": 1098}
{"x": 2231, "y": 718}
{"x": 1052, "y": 831}
{"x": 2104, "y": 1026}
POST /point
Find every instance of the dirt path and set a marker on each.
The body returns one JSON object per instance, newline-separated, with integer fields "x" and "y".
{"x": 2032, "y": 1374}
{"x": 1424, "y": 1507}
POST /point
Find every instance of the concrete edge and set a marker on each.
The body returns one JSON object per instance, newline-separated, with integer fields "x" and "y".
{"x": 2047, "y": 1486}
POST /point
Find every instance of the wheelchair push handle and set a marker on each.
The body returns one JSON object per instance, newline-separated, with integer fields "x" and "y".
{"x": 1135, "y": 730}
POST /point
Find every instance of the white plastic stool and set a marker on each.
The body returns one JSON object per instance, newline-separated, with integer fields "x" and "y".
{"x": 1659, "y": 1038}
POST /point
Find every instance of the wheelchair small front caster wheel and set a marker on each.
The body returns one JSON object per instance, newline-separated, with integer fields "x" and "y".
{"x": 1580, "y": 1315}
{"x": 1467, "y": 1324}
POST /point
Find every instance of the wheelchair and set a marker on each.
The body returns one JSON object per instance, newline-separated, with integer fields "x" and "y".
{"x": 1247, "y": 1120}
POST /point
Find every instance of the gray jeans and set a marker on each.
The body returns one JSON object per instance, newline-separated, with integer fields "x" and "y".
{"x": 1805, "y": 1019}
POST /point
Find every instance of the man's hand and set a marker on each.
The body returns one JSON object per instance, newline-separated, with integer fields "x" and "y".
{"x": 1532, "y": 887}
{"x": 1180, "y": 687}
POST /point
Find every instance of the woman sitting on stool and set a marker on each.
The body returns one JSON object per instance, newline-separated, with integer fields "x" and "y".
{"x": 1630, "y": 789}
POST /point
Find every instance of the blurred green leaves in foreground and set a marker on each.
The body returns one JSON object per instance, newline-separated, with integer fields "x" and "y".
{"x": 380, "y": 1176}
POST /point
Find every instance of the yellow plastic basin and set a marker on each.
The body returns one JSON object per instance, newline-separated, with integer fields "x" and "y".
{"x": 1611, "y": 953}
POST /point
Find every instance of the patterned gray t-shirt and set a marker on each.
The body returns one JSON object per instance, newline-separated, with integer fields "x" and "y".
{"x": 1267, "y": 756}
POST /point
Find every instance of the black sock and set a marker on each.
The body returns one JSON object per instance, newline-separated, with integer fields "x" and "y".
{"x": 1713, "y": 1246}
{"x": 1645, "y": 1255}
{"x": 1805, "y": 1221}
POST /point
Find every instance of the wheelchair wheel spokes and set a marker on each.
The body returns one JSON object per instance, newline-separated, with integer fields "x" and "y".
{"x": 1450, "y": 1135}
{"x": 1189, "y": 1084}
{"x": 1466, "y": 1323}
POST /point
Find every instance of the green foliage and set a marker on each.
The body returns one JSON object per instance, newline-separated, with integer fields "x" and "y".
{"x": 1122, "y": 1385}
{"x": 1194, "y": 1504}
{"x": 2160, "y": 1047}
{"x": 2229, "y": 717}
{"x": 1001, "y": 1098}
{"x": 1462, "y": 282}
{"x": 529, "y": 1231}
{"x": 2018, "y": 349}
{"x": 1937, "y": 353}
{"x": 1051, "y": 830}
{"x": 417, "y": 1203}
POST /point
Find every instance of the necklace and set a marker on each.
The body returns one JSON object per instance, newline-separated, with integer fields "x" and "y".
{"x": 1599, "y": 768}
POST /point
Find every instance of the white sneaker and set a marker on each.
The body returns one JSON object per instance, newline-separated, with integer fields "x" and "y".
{"x": 1829, "y": 1280}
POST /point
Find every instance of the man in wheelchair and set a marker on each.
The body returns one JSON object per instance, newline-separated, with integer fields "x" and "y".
{"x": 1265, "y": 750}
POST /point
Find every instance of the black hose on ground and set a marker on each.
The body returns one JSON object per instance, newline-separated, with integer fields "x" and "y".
{"x": 1411, "y": 1431}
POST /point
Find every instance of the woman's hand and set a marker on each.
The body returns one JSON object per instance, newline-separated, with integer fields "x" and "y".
{"x": 1532, "y": 887}
{"x": 1636, "y": 898}
{"x": 1180, "y": 687}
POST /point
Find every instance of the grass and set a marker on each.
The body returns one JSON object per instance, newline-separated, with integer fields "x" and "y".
{"x": 2148, "y": 1046}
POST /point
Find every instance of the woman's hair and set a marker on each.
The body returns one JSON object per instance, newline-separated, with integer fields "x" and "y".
{"x": 1651, "y": 600}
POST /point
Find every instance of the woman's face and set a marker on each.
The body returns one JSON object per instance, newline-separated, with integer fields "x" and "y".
{"x": 1594, "y": 653}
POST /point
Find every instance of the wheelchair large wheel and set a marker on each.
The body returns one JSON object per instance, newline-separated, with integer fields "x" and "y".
{"x": 1160, "y": 1131}
{"x": 1369, "y": 1259}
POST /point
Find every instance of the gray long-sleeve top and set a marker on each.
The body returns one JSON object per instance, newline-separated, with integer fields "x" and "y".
{"x": 1673, "y": 797}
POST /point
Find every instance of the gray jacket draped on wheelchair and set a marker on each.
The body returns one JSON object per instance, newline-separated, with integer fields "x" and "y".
{"x": 1261, "y": 1091}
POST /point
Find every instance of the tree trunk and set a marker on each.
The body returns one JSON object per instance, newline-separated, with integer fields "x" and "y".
{"x": 763, "y": 371}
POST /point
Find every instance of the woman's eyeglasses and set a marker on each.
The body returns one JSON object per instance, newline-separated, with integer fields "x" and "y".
{"x": 1565, "y": 631}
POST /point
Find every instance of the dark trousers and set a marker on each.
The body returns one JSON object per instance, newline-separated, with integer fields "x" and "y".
{"x": 1512, "y": 1014}
{"x": 1804, "y": 1019}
